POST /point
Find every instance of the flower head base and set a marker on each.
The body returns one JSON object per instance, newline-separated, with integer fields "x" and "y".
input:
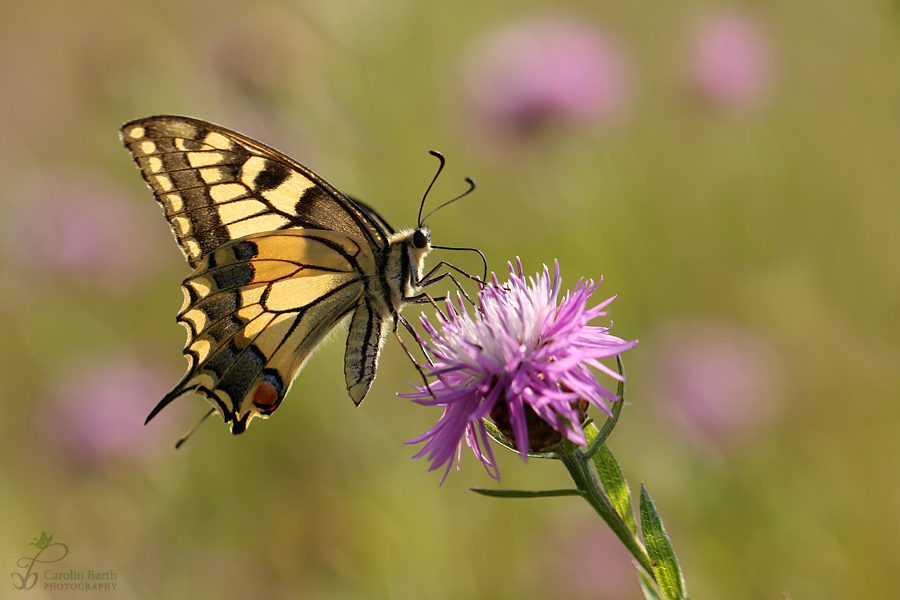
{"x": 520, "y": 354}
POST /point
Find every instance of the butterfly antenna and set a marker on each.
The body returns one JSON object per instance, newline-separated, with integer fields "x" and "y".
{"x": 441, "y": 158}
{"x": 471, "y": 183}
{"x": 185, "y": 437}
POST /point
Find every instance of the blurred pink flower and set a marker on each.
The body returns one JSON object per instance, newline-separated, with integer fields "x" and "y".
{"x": 97, "y": 415}
{"x": 718, "y": 383}
{"x": 731, "y": 63}
{"x": 540, "y": 70}
{"x": 80, "y": 229}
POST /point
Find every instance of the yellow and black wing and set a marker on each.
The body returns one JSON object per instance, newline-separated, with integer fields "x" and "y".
{"x": 216, "y": 185}
{"x": 279, "y": 255}
{"x": 256, "y": 308}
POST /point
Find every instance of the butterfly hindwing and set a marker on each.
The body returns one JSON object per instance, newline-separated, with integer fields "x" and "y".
{"x": 256, "y": 308}
{"x": 216, "y": 185}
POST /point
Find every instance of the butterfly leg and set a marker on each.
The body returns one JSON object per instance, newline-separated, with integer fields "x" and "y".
{"x": 409, "y": 327}
{"x": 460, "y": 288}
{"x": 417, "y": 337}
{"x": 421, "y": 298}
{"x": 430, "y": 278}
{"x": 425, "y": 298}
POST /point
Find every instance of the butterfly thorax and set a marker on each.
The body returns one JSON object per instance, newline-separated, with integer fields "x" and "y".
{"x": 403, "y": 264}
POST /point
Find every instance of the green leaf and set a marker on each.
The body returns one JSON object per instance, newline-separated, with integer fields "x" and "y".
{"x": 665, "y": 564}
{"x": 497, "y": 435}
{"x": 647, "y": 587}
{"x": 527, "y": 493}
{"x": 613, "y": 481}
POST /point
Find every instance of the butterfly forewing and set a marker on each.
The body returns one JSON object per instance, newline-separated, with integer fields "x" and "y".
{"x": 216, "y": 185}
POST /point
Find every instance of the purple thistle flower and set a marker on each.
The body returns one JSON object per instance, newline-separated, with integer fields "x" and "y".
{"x": 521, "y": 358}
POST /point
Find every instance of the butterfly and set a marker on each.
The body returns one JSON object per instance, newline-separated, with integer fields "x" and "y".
{"x": 280, "y": 257}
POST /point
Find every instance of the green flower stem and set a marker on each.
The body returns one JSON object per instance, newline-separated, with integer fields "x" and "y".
{"x": 580, "y": 470}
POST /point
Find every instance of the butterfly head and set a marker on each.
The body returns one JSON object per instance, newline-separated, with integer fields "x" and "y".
{"x": 421, "y": 239}
{"x": 415, "y": 243}
{"x": 419, "y": 247}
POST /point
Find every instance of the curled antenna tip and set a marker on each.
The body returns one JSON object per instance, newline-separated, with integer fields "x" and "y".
{"x": 471, "y": 183}
{"x": 440, "y": 157}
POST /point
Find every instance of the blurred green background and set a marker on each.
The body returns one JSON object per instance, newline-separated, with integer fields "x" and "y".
{"x": 730, "y": 169}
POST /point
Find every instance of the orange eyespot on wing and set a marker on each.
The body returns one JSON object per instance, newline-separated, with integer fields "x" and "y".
{"x": 265, "y": 397}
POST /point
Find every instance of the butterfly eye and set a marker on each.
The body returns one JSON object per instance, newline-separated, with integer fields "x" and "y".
{"x": 420, "y": 240}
